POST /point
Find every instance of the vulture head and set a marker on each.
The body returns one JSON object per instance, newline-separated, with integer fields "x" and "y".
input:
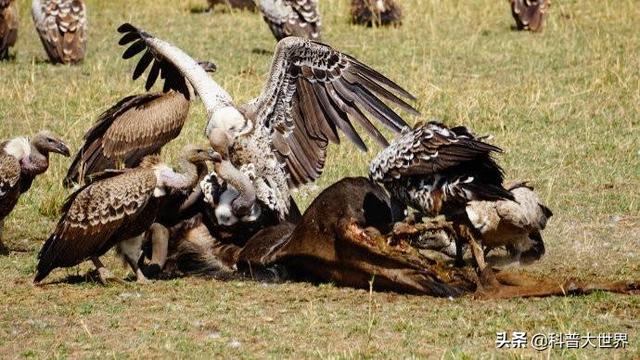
{"x": 46, "y": 142}
{"x": 221, "y": 141}
{"x": 196, "y": 155}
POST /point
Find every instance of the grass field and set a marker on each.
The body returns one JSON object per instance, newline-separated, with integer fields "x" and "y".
{"x": 564, "y": 104}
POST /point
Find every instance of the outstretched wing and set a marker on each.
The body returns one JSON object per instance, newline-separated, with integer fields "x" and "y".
{"x": 428, "y": 150}
{"x": 92, "y": 215}
{"x": 173, "y": 65}
{"x": 314, "y": 90}
{"x": 62, "y": 25}
{"x": 135, "y": 127}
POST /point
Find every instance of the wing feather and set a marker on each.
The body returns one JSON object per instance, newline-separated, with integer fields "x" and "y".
{"x": 322, "y": 90}
{"x": 92, "y": 215}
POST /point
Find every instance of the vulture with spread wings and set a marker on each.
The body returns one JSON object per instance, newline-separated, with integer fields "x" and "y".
{"x": 280, "y": 138}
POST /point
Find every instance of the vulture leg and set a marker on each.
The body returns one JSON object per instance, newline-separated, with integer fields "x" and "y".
{"x": 159, "y": 247}
{"x": 3, "y": 249}
{"x": 131, "y": 249}
{"x": 104, "y": 274}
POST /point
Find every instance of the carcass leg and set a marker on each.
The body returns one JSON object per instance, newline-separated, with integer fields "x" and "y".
{"x": 131, "y": 249}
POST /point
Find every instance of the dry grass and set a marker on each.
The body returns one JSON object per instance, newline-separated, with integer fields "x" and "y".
{"x": 564, "y": 104}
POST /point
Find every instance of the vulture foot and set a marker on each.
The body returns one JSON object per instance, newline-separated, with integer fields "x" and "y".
{"x": 3, "y": 249}
{"x": 106, "y": 277}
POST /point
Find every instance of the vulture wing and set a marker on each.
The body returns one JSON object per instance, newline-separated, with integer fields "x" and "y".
{"x": 429, "y": 150}
{"x": 9, "y": 172}
{"x": 173, "y": 65}
{"x": 62, "y": 26}
{"x": 135, "y": 127}
{"x": 312, "y": 91}
{"x": 292, "y": 18}
{"x": 92, "y": 215}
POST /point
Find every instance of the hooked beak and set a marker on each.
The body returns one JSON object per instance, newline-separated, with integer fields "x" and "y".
{"x": 62, "y": 149}
{"x": 214, "y": 156}
{"x": 208, "y": 66}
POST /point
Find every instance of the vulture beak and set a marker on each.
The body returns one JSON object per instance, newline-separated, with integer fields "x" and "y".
{"x": 214, "y": 156}
{"x": 208, "y": 66}
{"x": 62, "y": 149}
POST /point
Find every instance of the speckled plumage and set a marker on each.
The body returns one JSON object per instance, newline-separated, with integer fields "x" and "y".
{"x": 9, "y": 21}
{"x": 312, "y": 92}
{"x": 62, "y": 26}
{"x": 292, "y": 18}
{"x": 435, "y": 169}
{"x": 234, "y": 4}
{"x": 529, "y": 14}
{"x": 114, "y": 209}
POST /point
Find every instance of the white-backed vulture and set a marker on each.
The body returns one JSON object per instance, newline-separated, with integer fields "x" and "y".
{"x": 62, "y": 27}
{"x": 376, "y": 12}
{"x": 282, "y": 135}
{"x": 136, "y": 126}
{"x": 292, "y": 18}
{"x": 234, "y": 4}
{"x": 21, "y": 160}
{"x": 529, "y": 14}
{"x": 515, "y": 223}
{"x": 115, "y": 210}
{"x": 439, "y": 170}
{"x": 9, "y": 21}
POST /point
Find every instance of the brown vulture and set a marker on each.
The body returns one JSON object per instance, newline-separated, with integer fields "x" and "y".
{"x": 376, "y": 12}
{"x": 115, "y": 210}
{"x": 292, "y": 18}
{"x": 21, "y": 160}
{"x": 529, "y": 14}
{"x": 62, "y": 27}
{"x": 9, "y": 21}
{"x": 136, "y": 126}
{"x": 439, "y": 170}
{"x": 280, "y": 138}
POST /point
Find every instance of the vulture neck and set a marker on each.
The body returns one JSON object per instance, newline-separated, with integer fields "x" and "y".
{"x": 188, "y": 174}
{"x": 213, "y": 95}
{"x": 36, "y": 11}
{"x": 243, "y": 204}
{"x": 37, "y": 162}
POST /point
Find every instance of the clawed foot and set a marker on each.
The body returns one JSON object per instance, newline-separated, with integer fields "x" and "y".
{"x": 106, "y": 277}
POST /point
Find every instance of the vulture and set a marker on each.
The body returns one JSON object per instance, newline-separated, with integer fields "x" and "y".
{"x": 375, "y": 12}
{"x": 515, "y": 224}
{"x": 281, "y": 137}
{"x": 299, "y": 18}
{"x": 234, "y": 4}
{"x": 116, "y": 209}
{"x": 529, "y": 14}
{"x": 21, "y": 160}
{"x": 62, "y": 27}
{"x": 439, "y": 170}
{"x": 9, "y": 21}
{"x": 136, "y": 126}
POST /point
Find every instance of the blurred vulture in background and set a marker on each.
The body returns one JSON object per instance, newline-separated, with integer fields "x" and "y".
{"x": 529, "y": 14}
{"x": 280, "y": 138}
{"x": 62, "y": 26}
{"x": 9, "y": 21}
{"x": 439, "y": 170}
{"x": 21, "y": 160}
{"x": 115, "y": 210}
{"x": 234, "y": 4}
{"x": 292, "y": 18}
{"x": 376, "y": 12}
{"x": 136, "y": 126}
